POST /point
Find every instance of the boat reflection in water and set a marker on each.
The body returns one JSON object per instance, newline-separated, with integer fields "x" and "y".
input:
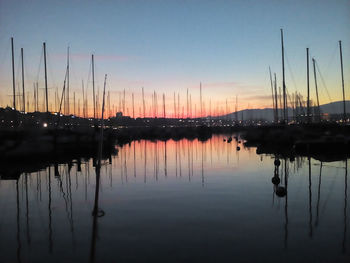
{"x": 177, "y": 201}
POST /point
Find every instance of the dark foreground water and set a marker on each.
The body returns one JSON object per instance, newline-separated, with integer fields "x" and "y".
{"x": 184, "y": 201}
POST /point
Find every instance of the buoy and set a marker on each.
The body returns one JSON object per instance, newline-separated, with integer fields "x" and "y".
{"x": 276, "y": 180}
{"x": 238, "y": 148}
{"x": 224, "y": 140}
{"x": 277, "y": 162}
{"x": 281, "y": 191}
{"x": 229, "y": 139}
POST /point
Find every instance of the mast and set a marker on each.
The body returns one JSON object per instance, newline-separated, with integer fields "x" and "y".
{"x": 143, "y": 102}
{"x": 308, "y": 86}
{"x": 236, "y": 110}
{"x": 13, "y": 75}
{"x": 164, "y": 106}
{"x": 283, "y": 81}
{"x": 276, "y": 100}
{"x": 187, "y": 103}
{"x": 174, "y": 106}
{"x": 93, "y": 83}
{"x": 67, "y": 96}
{"x": 273, "y": 100}
{"x": 46, "y": 92}
{"x": 342, "y": 78}
{"x": 133, "y": 106}
{"x": 318, "y": 102}
{"x": 24, "y": 100}
{"x": 74, "y": 103}
{"x": 200, "y": 93}
{"x": 82, "y": 86}
{"x": 178, "y": 105}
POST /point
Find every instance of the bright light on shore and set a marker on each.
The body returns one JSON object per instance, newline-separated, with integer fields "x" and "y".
{"x": 45, "y": 125}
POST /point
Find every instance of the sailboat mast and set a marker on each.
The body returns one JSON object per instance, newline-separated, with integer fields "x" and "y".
{"x": 174, "y": 106}
{"x": 143, "y": 102}
{"x": 93, "y": 83}
{"x": 82, "y": 86}
{"x": 187, "y": 102}
{"x": 273, "y": 100}
{"x": 164, "y": 106}
{"x": 308, "y": 86}
{"x": 13, "y": 75}
{"x": 23, "y": 97}
{"x": 46, "y": 92}
{"x": 342, "y": 78}
{"x": 318, "y": 102}
{"x": 67, "y": 96}
{"x": 236, "y": 110}
{"x": 276, "y": 100}
{"x": 133, "y": 106}
{"x": 283, "y": 80}
{"x": 200, "y": 90}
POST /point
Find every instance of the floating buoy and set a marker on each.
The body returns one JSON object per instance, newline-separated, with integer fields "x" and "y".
{"x": 277, "y": 162}
{"x": 281, "y": 191}
{"x": 224, "y": 140}
{"x": 238, "y": 148}
{"x": 276, "y": 180}
{"x": 229, "y": 139}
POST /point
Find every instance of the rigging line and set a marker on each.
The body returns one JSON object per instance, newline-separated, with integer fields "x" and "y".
{"x": 72, "y": 69}
{"x": 51, "y": 77}
{"x": 291, "y": 72}
{"x": 330, "y": 62}
{"x": 89, "y": 75}
{"x": 322, "y": 81}
{"x": 40, "y": 61}
{"x": 331, "y": 188}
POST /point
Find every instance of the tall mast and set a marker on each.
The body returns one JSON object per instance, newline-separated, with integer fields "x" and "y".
{"x": 164, "y": 106}
{"x": 74, "y": 104}
{"x": 93, "y": 83}
{"x": 13, "y": 75}
{"x": 342, "y": 78}
{"x": 236, "y": 110}
{"x": 82, "y": 86}
{"x": 143, "y": 102}
{"x": 133, "y": 106}
{"x": 24, "y": 100}
{"x": 318, "y": 102}
{"x": 67, "y": 96}
{"x": 187, "y": 103}
{"x": 308, "y": 86}
{"x": 276, "y": 100}
{"x": 34, "y": 101}
{"x": 124, "y": 102}
{"x": 174, "y": 106}
{"x": 283, "y": 81}
{"x": 200, "y": 91}
{"x": 46, "y": 92}
{"x": 178, "y": 105}
{"x": 273, "y": 100}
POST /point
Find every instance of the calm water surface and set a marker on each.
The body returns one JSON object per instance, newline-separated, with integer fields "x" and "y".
{"x": 184, "y": 201}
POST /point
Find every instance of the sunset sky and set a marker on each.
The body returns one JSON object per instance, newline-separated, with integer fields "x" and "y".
{"x": 169, "y": 46}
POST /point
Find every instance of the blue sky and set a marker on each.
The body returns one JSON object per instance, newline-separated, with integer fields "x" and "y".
{"x": 170, "y": 46}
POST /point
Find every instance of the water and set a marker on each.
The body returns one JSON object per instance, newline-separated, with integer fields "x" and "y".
{"x": 182, "y": 201}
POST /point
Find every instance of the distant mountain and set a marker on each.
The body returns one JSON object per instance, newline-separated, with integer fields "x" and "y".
{"x": 267, "y": 113}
